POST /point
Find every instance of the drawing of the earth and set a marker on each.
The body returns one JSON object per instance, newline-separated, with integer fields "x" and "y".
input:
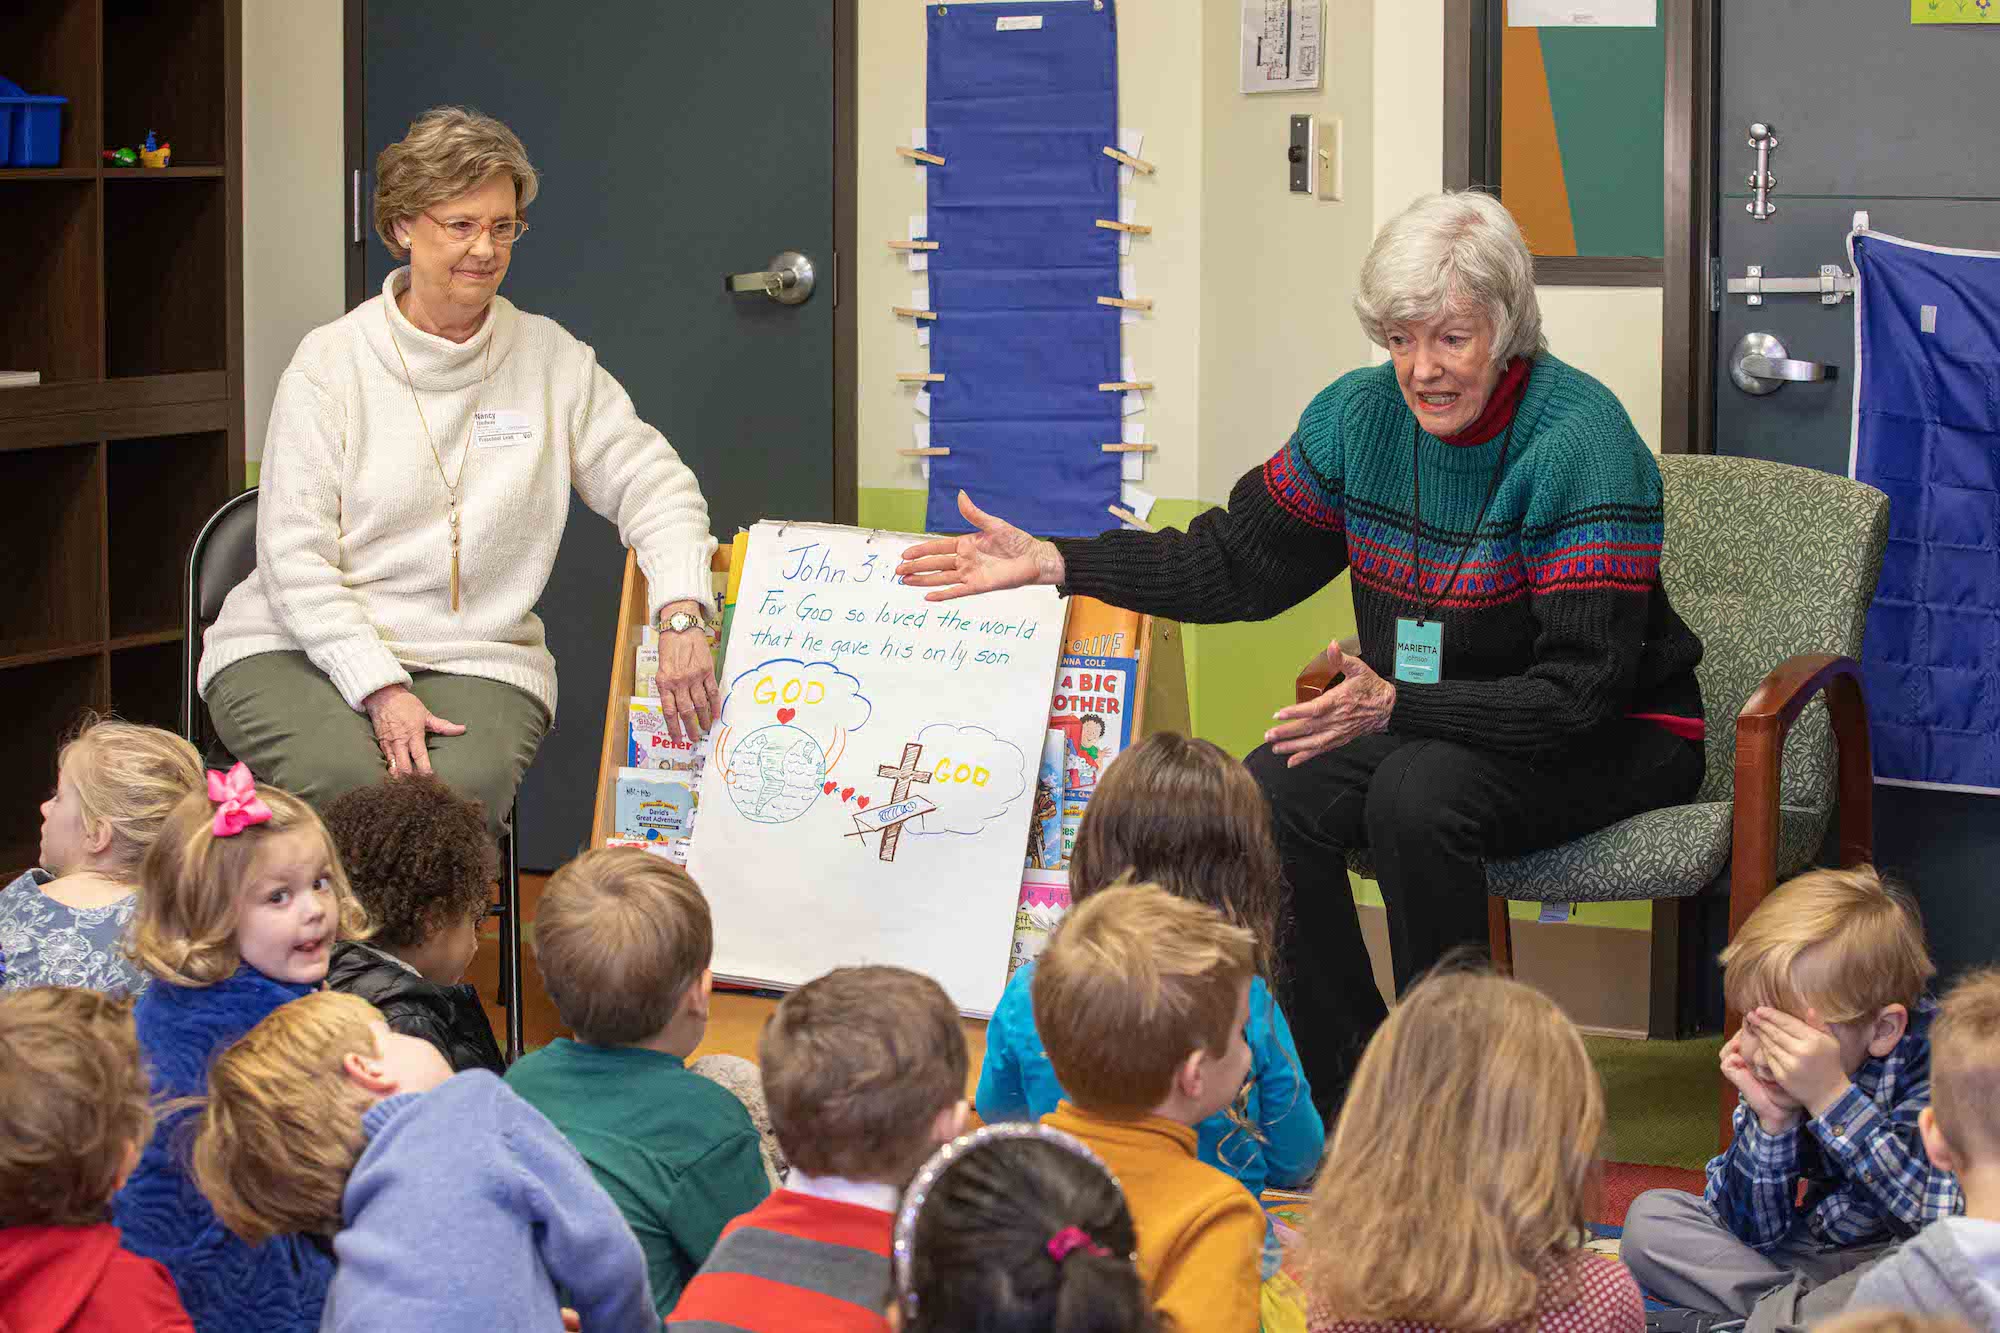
{"x": 775, "y": 774}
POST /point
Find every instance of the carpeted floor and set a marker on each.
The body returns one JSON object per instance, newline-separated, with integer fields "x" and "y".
{"x": 1659, "y": 1098}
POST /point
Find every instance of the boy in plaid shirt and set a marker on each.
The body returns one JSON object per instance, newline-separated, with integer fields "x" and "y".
{"x": 1833, "y": 1066}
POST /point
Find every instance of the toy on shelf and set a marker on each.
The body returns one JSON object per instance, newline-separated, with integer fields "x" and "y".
{"x": 152, "y": 153}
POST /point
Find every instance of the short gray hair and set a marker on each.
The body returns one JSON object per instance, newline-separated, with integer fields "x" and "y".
{"x": 448, "y": 151}
{"x": 1457, "y": 250}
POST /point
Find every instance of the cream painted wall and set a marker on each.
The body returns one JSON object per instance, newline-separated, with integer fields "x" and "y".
{"x": 1611, "y": 332}
{"x": 1159, "y": 67}
{"x": 294, "y": 206}
{"x": 1277, "y": 269}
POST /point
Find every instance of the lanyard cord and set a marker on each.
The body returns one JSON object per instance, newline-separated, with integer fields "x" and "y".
{"x": 1425, "y": 609}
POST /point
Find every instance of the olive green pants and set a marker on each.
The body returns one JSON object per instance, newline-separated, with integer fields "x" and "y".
{"x": 279, "y": 714}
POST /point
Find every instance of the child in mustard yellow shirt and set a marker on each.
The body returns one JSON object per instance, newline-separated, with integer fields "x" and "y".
{"x": 1142, "y": 999}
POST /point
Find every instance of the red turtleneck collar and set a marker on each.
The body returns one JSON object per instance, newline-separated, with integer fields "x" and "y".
{"x": 1499, "y": 408}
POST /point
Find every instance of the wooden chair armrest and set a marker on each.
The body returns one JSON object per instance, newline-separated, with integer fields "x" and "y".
{"x": 1761, "y": 729}
{"x": 1316, "y": 678}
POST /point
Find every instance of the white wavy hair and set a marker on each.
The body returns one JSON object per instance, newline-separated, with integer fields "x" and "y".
{"x": 1458, "y": 250}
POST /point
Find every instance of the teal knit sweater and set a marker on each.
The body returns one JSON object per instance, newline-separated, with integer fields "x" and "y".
{"x": 1555, "y": 623}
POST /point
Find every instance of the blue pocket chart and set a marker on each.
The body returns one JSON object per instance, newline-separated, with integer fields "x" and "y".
{"x": 1022, "y": 101}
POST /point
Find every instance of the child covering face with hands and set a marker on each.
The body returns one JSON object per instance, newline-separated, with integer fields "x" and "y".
{"x": 1833, "y": 1065}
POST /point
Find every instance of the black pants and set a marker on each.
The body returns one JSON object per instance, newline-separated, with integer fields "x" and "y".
{"x": 1430, "y": 814}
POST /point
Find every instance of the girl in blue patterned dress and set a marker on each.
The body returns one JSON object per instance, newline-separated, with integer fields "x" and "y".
{"x": 63, "y": 922}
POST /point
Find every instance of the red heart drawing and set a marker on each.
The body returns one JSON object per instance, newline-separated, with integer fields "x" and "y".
{"x": 787, "y": 714}
{"x": 861, "y": 801}
{"x": 830, "y": 786}
{"x": 846, "y": 793}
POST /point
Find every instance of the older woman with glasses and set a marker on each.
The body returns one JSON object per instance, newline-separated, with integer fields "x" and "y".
{"x": 1521, "y": 679}
{"x": 415, "y": 483}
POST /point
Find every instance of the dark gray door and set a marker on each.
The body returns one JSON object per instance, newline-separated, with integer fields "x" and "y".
{"x": 676, "y": 143}
{"x": 1871, "y": 112}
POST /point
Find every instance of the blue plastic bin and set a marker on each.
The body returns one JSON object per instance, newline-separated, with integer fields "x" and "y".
{"x": 30, "y": 128}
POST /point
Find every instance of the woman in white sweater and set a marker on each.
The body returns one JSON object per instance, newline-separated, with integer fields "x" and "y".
{"x": 415, "y": 482}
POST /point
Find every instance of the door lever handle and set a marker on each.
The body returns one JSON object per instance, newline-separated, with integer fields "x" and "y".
{"x": 788, "y": 280}
{"x": 1785, "y": 368}
{"x": 1759, "y": 366}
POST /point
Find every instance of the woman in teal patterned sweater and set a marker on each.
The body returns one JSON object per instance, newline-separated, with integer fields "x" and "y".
{"x": 1521, "y": 679}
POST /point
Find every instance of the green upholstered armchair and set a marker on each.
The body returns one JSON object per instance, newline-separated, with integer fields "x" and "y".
{"x": 1774, "y": 567}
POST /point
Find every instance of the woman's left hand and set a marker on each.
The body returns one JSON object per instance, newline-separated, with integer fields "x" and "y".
{"x": 1359, "y": 706}
{"x": 686, "y": 682}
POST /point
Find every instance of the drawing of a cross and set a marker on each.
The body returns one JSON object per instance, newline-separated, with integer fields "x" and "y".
{"x": 904, "y": 774}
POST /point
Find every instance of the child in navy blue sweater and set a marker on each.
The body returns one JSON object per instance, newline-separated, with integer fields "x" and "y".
{"x": 454, "y": 1206}
{"x": 243, "y": 902}
{"x": 1181, "y": 813}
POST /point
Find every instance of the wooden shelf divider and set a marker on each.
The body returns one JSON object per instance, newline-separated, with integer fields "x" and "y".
{"x": 129, "y": 307}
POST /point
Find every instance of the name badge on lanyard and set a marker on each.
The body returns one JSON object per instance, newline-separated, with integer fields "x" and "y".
{"x": 1419, "y": 651}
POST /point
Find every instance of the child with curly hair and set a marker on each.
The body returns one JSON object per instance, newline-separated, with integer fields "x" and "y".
{"x": 422, "y": 864}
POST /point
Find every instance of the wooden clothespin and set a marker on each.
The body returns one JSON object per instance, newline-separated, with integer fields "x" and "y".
{"x": 913, "y": 313}
{"x": 913, "y": 245}
{"x": 1119, "y": 386}
{"x": 919, "y": 155}
{"x": 1127, "y": 302}
{"x": 1138, "y": 164}
{"x": 933, "y": 452}
{"x": 1127, "y": 516}
{"x": 919, "y": 377}
{"x": 1136, "y": 228}
{"x": 1128, "y": 448}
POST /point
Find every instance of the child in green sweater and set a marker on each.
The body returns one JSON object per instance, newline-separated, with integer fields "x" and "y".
{"x": 623, "y": 939}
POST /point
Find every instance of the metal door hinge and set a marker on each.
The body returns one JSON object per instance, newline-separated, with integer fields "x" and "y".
{"x": 836, "y": 279}
{"x": 355, "y": 205}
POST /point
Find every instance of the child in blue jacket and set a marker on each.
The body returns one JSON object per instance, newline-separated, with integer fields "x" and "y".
{"x": 243, "y": 902}
{"x": 1181, "y": 813}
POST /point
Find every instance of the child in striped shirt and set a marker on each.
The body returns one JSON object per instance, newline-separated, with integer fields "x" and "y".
{"x": 864, "y": 1070}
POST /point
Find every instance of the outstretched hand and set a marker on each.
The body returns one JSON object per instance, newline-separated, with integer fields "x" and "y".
{"x": 1359, "y": 706}
{"x": 993, "y": 556}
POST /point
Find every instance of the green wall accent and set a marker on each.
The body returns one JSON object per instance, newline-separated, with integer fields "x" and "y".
{"x": 1239, "y": 674}
{"x": 1607, "y": 90}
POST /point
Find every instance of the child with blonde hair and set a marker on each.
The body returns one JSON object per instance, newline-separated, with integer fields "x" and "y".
{"x": 1180, "y": 813}
{"x": 1953, "y": 1265}
{"x": 73, "y": 1099}
{"x": 1459, "y": 1184}
{"x": 244, "y": 901}
{"x": 1142, "y": 999}
{"x": 1833, "y": 1068}
{"x": 64, "y": 922}
{"x": 623, "y": 939}
{"x": 453, "y": 1206}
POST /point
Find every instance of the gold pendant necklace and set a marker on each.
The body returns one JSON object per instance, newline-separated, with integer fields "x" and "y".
{"x": 450, "y": 484}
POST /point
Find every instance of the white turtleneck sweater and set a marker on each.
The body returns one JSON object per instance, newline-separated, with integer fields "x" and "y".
{"x": 353, "y": 543}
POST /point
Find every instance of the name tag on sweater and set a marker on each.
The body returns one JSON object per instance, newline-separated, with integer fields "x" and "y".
{"x": 1419, "y": 651}
{"x": 500, "y": 428}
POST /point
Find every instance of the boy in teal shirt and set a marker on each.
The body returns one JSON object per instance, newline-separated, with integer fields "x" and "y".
{"x": 623, "y": 939}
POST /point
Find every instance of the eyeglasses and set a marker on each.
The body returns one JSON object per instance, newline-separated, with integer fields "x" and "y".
{"x": 464, "y": 231}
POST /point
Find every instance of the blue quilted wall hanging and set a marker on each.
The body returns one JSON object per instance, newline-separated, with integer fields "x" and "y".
{"x": 1927, "y": 433}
